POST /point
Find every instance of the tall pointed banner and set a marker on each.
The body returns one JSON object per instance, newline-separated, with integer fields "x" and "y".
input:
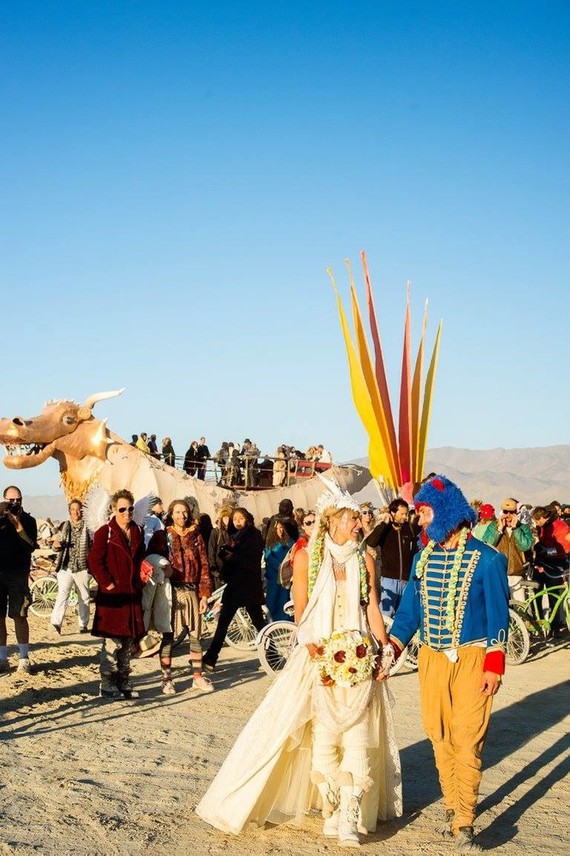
{"x": 377, "y": 457}
{"x": 393, "y": 468}
{"x": 380, "y": 369}
{"x": 416, "y": 400}
{"x": 404, "y": 426}
{"x": 428, "y": 395}
{"x": 392, "y": 463}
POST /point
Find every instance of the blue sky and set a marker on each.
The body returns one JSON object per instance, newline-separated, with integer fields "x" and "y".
{"x": 177, "y": 176}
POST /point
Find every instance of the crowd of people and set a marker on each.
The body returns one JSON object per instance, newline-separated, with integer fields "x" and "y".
{"x": 444, "y": 568}
{"x": 235, "y": 464}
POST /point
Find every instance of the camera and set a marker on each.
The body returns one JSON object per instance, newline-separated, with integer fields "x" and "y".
{"x": 4, "y": 509}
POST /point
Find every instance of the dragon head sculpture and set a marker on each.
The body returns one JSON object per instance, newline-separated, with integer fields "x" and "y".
{"x": 64, "y": 430}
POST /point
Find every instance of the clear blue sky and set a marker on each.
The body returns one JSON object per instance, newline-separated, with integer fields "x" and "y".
{"x": 177, "y": 176}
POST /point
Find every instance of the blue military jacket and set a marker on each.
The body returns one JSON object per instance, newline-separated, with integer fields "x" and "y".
{"x": 481, "y": 608}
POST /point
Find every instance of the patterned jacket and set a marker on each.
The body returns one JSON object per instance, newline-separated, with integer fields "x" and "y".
{"x": 480, "y": 611}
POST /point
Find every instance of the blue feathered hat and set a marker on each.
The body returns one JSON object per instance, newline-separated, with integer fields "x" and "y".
{"x": 449, "y": 506}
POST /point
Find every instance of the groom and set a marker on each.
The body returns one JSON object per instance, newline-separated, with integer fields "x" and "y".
{"x": 458, "y": 598}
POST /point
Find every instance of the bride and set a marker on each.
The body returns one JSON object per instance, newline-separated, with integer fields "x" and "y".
{"x": 313, "y": 743}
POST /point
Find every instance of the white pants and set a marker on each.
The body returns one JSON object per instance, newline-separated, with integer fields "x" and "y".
{"x": 517, "y": 591}
{"x": 345, "y": 753}
{"x": 66, "y": 581}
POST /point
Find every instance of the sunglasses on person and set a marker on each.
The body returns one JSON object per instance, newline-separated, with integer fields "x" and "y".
{"x": 368, "y": 513}
{"x": 308, "y": 522}
{"x": 506, "y": 511}
{"x": 129, "y": 508}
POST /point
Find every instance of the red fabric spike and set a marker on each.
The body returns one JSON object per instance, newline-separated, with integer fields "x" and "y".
{"x": 438, "y": 484}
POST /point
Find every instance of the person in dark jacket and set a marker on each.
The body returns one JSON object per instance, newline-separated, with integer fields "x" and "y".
{"x": 18, "y": 536}
{"x": 397, "y": 541}
{"x": 203, "y": 454}
{"x": 241, "y": 571}
{"x": 114, "y": 560}
{"x": 168, "y": 453}
{"x": 191, "y": 459}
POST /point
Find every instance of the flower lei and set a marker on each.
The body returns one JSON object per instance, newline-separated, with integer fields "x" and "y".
{"x": 315, "y": 564}
{"x": 454, "y": 577}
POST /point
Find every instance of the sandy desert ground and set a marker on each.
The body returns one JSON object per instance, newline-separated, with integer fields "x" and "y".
{"x": 79, "y": 775}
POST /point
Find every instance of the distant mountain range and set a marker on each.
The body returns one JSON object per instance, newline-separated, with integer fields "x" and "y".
{"x": 536, "y": 475}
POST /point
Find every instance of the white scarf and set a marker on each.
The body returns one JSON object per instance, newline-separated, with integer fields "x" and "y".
{"x": 336, "y": 708}
{"x": 317, "y": 620}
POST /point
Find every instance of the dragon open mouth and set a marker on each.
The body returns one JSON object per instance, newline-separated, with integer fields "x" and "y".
{"x": 22, "y": 455}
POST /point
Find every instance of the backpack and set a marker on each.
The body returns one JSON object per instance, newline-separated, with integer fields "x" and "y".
{"x": 285, "y": 573}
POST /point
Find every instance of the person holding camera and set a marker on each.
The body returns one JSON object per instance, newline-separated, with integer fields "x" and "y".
{"x": 18, "y": 536}
{"x": 73, "y": 543}
{"x": 396, "y": 540}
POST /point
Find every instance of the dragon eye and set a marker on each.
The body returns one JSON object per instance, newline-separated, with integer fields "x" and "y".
{"x": 68, "y": 420}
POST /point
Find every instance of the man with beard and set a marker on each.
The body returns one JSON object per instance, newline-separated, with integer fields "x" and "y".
{"x": 458, "y": 598}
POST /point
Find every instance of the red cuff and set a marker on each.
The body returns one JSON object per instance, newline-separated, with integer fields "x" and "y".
{"x": 494, "y": 662}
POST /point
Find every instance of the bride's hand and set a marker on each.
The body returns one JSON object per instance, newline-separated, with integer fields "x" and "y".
{"x": 314, "y": 650}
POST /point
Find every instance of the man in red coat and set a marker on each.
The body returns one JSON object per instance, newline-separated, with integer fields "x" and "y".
{"x": 114, "y": 560}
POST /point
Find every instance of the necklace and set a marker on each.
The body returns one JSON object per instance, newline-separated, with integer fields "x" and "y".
{"x": 453, "y": 578}
{"x": 339, "y": 569}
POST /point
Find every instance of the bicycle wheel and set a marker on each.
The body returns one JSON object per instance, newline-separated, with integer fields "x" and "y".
{"x": 401, "y": 661}
{"x": 44, "y": 593}
{"x": 274, "y": 645}
{"x": 241, "y": 632}
{"x": 413, "y": 651}
{"x": 518, "y": 643}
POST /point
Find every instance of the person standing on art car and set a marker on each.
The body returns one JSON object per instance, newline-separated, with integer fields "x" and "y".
{"x": 115, "y": 562}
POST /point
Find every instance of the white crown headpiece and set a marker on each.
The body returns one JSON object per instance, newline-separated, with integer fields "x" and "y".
{"x": 334, "y": 497}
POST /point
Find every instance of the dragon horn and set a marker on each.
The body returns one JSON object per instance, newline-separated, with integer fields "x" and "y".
{"x": 101, "y": 396}
{"x": 85, "y": 409}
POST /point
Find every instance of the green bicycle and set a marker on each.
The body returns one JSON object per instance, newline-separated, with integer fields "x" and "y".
{"x": 527, "y": 624}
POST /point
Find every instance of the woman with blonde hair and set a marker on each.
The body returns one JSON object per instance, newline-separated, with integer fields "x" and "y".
{"x": 320, "y": 739}
{"x": 181, "y": 543}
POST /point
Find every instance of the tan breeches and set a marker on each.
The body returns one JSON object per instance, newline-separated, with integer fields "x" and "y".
{"x": 456, "y": 718}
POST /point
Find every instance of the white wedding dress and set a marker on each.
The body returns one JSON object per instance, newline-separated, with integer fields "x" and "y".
{"x": 267, "y": 775}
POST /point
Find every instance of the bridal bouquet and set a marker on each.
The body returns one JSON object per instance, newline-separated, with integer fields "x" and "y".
{"x": 346, "y": 659}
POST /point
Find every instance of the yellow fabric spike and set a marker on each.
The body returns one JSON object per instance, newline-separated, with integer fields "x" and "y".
{"x": 385, "y": 454}
{"x": 378, "y": 463}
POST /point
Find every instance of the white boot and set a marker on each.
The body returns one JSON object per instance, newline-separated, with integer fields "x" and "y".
{"x": 349, "y": 813}
{"x": 330, "y": 826}
{"x": 330, "y": 796}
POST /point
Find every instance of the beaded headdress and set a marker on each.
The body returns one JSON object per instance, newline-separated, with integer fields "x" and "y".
{"x": 334, "y": 497}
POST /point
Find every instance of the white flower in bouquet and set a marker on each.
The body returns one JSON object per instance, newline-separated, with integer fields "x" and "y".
{"x": 346, "y": 659}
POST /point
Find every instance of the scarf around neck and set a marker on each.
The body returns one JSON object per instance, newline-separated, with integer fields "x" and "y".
{"x": 317, "y": 620}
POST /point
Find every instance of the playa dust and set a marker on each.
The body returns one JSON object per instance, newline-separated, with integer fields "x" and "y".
{"x": 80, "y": 775}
